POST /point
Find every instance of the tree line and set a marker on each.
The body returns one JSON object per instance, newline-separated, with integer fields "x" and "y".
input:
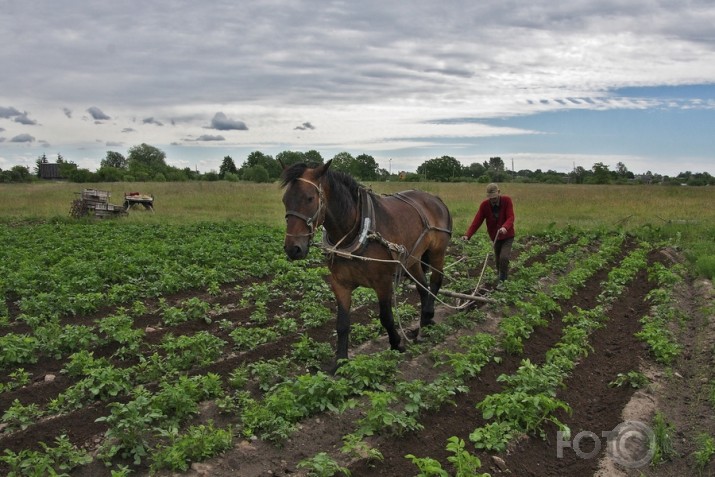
{"x": 145, "y": 163}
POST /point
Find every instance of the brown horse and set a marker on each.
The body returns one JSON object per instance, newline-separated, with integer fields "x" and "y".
{"x": 370, "y": 240}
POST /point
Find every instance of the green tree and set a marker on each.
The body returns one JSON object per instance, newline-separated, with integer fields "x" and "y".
{"x": 496, "y": 170}
{"x": 342, "y": 161}
{"x": 256, "y": 174}
{"x": 180, "y": 175}
{"x": 475, "y": 170}
{"x": 288, "y": 158}
{"x": 16, "y": 174}
{"x": 622, "y": 172}
{"x": 601, "y": 174}
{"x": 366, "y": 168}
{"x": 113, "y": 159}
{"x": 110, "y": 174}
{"x": 441, "y": 169}
{"x": 40, "y": 160}
{"x": 313, "y": 158}
{"x": 82, "y": 175}
{"x": 66, "y": 168}
{"x": 496, "y": 164}
{"x": 579, "y": 175}
{"x": 257, "y": 158}
{"x": 145, "y": 162}
{"x": 227, "y": 167}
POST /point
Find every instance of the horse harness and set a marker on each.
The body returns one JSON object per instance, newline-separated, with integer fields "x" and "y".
{"x": 368, "y": 229}
{"x": 311, "y": 222}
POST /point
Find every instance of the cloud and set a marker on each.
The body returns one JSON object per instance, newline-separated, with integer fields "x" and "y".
{"x": 151, "y": 120}
{"x": 114, "y": 144}
{"x": 23, "y": 138}
{"x": 8, "y": 113}
{"x": 221, "y": 122}
{"x": 97, "y": 114}
{"x": 208, "y": 138}
{"x": 375, "y": 75}
{"x": 23, "y": 119}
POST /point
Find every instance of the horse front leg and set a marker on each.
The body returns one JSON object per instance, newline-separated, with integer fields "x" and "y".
{"x": 343, "y": 296}
{"x": 388, "y": 321}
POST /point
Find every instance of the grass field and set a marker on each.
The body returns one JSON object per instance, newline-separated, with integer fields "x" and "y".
{"x": 685, "y": 214}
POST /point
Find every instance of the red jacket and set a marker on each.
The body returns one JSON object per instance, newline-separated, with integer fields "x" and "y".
{"x": 505, "y": 219}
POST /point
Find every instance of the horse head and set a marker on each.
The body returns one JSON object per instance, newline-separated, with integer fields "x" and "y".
{"x": 305, "y": 205}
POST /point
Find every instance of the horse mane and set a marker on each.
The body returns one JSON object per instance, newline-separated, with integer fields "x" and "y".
{"x": 291, "y": 173}
{"x": 343, "y": 186}
{"x": 337, "y": 181}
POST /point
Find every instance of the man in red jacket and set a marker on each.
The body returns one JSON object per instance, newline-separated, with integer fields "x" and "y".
{"x": 498, "y": 211}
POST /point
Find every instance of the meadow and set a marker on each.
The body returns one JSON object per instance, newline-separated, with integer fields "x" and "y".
{"x": 683, "y": 213}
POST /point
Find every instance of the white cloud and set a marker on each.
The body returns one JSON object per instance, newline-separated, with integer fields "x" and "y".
{"x": 373, "y": 77}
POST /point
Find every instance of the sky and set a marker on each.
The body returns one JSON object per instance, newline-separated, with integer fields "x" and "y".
{"x": 544, "y": 84}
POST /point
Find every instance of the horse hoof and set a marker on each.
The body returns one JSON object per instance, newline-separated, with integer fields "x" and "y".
{"x": 400, "y": 347}
{"x": 338, "y": 363}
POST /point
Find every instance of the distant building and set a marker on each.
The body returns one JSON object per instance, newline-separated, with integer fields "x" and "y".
{"x": 50, "y": 171}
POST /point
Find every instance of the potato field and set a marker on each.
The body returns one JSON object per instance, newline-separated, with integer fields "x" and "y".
{"x": 199, "y": 349}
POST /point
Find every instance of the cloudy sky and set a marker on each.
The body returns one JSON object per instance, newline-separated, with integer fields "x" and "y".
{"x": 546, "y": 84}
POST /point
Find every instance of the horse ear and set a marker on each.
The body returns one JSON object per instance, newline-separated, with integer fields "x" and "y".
{"x": 322, "y": 169}
{"x": 283, "y": 166}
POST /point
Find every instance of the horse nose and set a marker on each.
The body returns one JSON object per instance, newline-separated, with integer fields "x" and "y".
{"x": 294, "y": 252}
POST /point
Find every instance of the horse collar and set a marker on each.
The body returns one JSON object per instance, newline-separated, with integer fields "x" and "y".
{"x": 367, "y": 226}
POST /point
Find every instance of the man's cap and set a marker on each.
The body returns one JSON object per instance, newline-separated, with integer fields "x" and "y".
{"x": 492, "y": 191}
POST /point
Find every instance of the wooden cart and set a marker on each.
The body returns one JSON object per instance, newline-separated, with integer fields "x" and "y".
{"x": 133, "y": 199}
{"x": 93, "y": 202}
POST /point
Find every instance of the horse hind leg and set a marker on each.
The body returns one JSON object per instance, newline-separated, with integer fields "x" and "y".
{"x": 343, "y": 297}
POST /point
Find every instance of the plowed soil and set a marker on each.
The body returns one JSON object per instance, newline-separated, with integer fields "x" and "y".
{"x": 681, "y": 392}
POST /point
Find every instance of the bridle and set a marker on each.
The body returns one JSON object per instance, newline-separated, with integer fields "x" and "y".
{"x": 318, "y": 216}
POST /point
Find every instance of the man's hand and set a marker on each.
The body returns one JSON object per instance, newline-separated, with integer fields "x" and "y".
{"x": 502, "y": 231}
{"x": 465, "y": 238}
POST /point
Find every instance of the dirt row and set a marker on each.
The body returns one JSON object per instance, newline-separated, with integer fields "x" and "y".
{"x": 596, "y": 406}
